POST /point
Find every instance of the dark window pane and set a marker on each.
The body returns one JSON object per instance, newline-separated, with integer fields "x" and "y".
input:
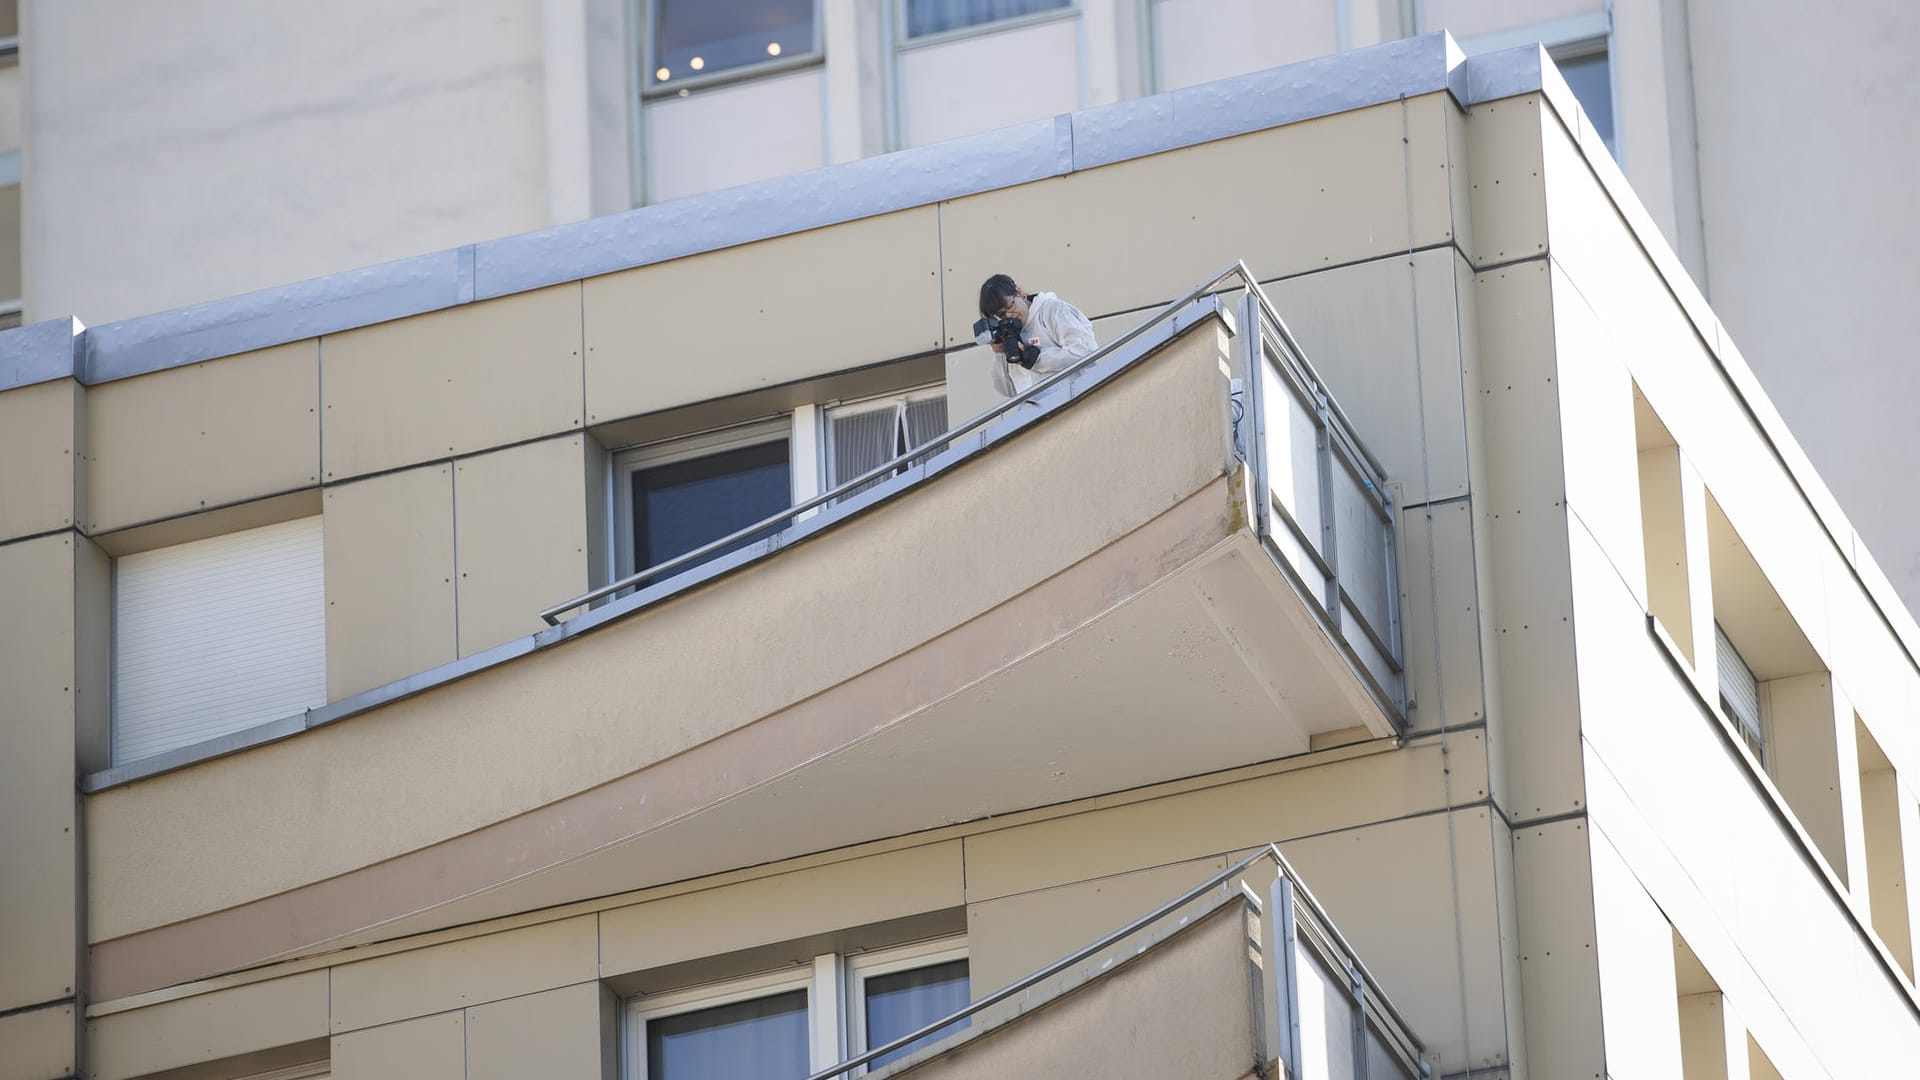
{"x": 700, "y": 37}
{"x": 1591, "y": 78}
{"x": 762, "y": 1038}
{"x": 907, "y": 1001}
{"x": 681, "y": 506}
{"x": 933, "y": 16}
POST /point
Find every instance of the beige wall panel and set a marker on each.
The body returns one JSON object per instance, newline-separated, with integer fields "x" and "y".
{"x": 451, "y": 382}
{"x": 38, "y": 1045}
{"x": 1713, "y": 1043}
{"x": 1015, "y": 936}
{"x": 207, "y": 434}
{"x": 37, "y": 457}
{"x": 461, "y": 973}
{"x": 520, "y": 538}
{"x": 1351, "y": 205}
{"x": 1892, "y": 844}
{"x": 1363, "y": 877}
{"x": 1183, "y": 1009}
{"x": 780, "y": 908}
{"x": 430, "y": 1048}
{"x": 1536, "y": 718}
{"x": 379, "y": 778}
{"x": 970, "y": 389}
{"x": 389, "y": 570}
{"x": 1174, "y": 828}
{"x": 1445, "y": 684}
{"x": 1559, "y": 977}
{"x": 38, "y": 875}
{"x": 555, "y": 1034}
{"x": 1506, "y": 895}
{"x": 1633, "y": 945}
{"x": 1431, "y": 168}
{"x": 208, "y": 1027}
{"x": 1812, "y": 758}
{"x": 92, "y": 657}
{"x": 1504, "y": 160}
{"x": 698, "y": 328}
{"x": 1385, "y": 336}
{"x": 1597, "y": 435}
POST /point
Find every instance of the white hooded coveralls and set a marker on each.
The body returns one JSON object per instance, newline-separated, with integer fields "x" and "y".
{"x": 1064, "y": 333}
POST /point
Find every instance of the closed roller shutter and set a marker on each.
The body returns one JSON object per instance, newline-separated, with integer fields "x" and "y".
{"x": 217, "y": 635}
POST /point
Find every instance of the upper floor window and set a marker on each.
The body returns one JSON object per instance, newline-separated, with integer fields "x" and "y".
{"x": 692, "y": 38}
{"x": 670, "y": 498}
{"x": 1589, "y": 74}
{"x": 938, "y": 16}
{"x": 780, "y": 1025}
{"x": 1740, "y": 695}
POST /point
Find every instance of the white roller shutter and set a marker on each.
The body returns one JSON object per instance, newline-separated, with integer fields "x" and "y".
{"x": 217, "y": 635}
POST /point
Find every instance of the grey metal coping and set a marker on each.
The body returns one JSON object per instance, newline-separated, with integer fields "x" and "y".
{"x": 962, "y": 449}
{"x": 781, "y": 206}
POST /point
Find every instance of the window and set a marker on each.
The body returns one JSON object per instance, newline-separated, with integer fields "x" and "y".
{"x": 217, "y": 635}
{"x": 1589, "y": 73}
{"x": 775, "y": 1025}
{"x": 692, "y": 38}
{"x": 670, "y": 498}
{"x": 865, "y": 434}
{"x": 936, "y": 16}
{"x": 1740, "y": 695}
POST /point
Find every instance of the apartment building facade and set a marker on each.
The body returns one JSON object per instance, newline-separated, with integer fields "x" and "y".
{"x": 1479, "y": 574}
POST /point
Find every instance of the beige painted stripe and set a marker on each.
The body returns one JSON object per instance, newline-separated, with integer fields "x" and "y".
{"x": 278, "y": 926}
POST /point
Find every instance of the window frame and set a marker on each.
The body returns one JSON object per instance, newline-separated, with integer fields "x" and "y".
{"x": 836, "y": 998}
{"x": 647, "y": 57}
{"x": 872, "y": 402}
{"x": 624, "y": 462}
{"x": 903, "y": 41}
{"x": 1756, "y": 736}
{"x": 891, "y": 961}
{"x": 641, "y": 1008}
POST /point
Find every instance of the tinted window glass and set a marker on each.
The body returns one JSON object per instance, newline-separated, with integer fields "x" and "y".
{"x": 700, "y": 37}
{"x": 906, "y": 1001}
{"x": 933, "y": 16}
{"x": 765, "y": 1038}
{"x": 681, "y": 506}
{"x": 1591, "y": 79}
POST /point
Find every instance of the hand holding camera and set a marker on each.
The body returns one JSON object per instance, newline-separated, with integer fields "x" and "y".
{"x": 1004, "y": 336}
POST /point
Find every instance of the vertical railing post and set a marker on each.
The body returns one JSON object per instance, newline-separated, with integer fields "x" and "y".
{"x": 1329, "y": 537}
{"x": 1357, "y": 987}
{"x": 1283, "y": 984}
{"x": 1254, "y": 371}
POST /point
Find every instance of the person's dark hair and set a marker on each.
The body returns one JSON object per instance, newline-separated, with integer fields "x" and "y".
{"x": 995, "y": 293}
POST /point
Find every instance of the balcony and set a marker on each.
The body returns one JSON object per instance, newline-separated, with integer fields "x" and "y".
{"x": 1077, "y": 594}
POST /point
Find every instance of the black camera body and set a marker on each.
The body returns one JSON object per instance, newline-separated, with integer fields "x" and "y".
{"x": 1006, "y": 334}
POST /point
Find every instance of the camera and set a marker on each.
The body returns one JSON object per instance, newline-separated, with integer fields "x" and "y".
{"x": 1006, "y": 334}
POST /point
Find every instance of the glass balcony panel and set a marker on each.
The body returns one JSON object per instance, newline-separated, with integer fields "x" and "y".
{"x": 1326, "y": 1019}
{"x": 1360, "y": 534}
{"x": 1293, "y": 468}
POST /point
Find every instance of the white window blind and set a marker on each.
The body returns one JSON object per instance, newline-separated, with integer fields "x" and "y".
{"x": 1740, "y": 692}
{"x": 863, "y": 435}
{"x": 217, "y": 635}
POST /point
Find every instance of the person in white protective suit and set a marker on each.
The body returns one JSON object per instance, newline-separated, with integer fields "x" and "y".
{"x": 1052, "y": 334}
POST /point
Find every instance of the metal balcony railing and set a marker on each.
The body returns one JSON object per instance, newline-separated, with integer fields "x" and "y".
{"x": 1309, "y": 973}
{"x": 1326, "y": 519}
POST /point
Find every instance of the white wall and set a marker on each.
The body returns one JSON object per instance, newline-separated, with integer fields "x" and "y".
{"x": 1809, "y": 160}
{"x": 191, "y": 150}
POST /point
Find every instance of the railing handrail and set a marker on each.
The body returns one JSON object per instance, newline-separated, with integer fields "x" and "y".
{"x": 939, "y": 442}
{"x": 1303, "y": 897}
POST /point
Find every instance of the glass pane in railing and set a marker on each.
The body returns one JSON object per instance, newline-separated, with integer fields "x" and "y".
{"x": 1361, "y": 536}
{"x": 1293, "y": 467}
{"x": 1326, "y": 1019}
{"x": 1383, "y": 1063}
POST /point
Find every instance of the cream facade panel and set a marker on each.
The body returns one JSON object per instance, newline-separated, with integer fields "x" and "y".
{"x": 1507, "y": 201}
{"x": 1133, "y": 836}
{"x": 1352, "y": 205}
{"x": 38, "y": 847}
{"x": 371, "y": 810}
{"x": 1015, "y": 936}
{"x": 1424, "y": 954}
{"x": 204, "y": 435}
{"x": 557, "y": 1034}
{"x": 1535, "y": 717}
{"x": 784, "y": 907}
{"x": 389, "y": 578}
{"x": 208, "y": 1027}
{"x": 735, "y": 134}
{"x": 962, "y": 87}
{"x": 697, "y": 328}
{"x": 1385, "y": 336}
{"x": 38, "y": 1044}
{"x": 1440, "y": 617}
{"x": 449, "y": 382}
{"x": 38, "y": 478}
{"x": 1559, "y": 978}
{"x": 430, "y": 1048}
{"x": 461, "y": 973}
{"x": 520, "y": 538}
{"x": 1198, "y": 41}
